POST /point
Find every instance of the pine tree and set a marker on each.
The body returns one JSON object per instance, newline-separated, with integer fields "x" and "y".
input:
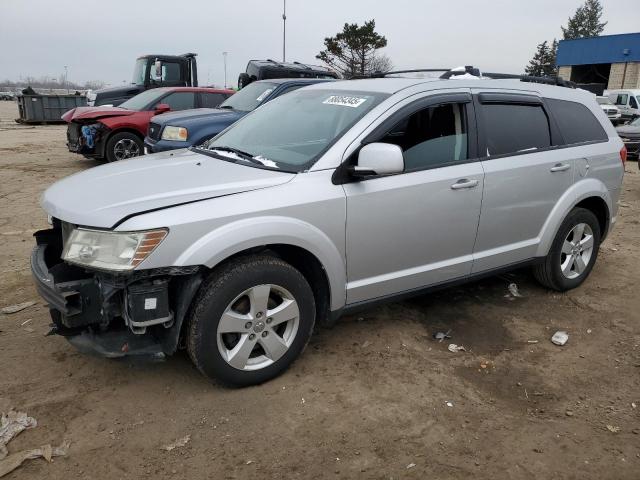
{"x": 353, "y": 51}
{"x": 553, "y": 56}
{"x": 537, "y": 64}
{"x": 585, "y": 22}
{"x": 543, "y": 63}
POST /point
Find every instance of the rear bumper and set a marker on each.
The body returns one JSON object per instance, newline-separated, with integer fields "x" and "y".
{"x": 107, "y": 315}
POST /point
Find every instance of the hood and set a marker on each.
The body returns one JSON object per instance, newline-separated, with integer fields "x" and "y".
{"x": 199, "y": 116}
{"x": 628, "y": 130}
{"x": 104, "y": 195}
{"x": 88, "y": 113}
{"x": 120, "y": 92}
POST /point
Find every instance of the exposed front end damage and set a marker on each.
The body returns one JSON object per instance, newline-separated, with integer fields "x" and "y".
{"x": 112, "y": 315}
{"x": 87, "y": 138}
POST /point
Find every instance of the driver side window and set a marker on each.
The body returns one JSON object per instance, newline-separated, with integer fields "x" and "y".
{"x": 432, "y": 137}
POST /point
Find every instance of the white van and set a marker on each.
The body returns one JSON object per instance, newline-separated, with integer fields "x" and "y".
{"x": 627, "y": 100}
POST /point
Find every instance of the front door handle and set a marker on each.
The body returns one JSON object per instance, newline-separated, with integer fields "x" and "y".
{"x": 464, "y": 183}
{"x": 560, "y": 167}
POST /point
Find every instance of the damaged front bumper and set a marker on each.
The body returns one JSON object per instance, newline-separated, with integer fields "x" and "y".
{"x": 86, "y": 138}
{"x": 112, "y": 315}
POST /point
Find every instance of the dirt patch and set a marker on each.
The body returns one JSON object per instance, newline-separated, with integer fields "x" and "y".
{"x": 367, "y": 398}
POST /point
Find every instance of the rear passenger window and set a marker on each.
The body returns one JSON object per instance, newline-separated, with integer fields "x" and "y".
{"x": 577, "y": 123}
{"x": 432, "y": 137}
{"x": 511, "y": 128}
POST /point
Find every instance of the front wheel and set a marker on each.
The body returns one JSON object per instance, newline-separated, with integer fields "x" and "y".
{"x": 573, "y": 252}
{"x": 122, "y": 146}
{"x": 251, "y": 319}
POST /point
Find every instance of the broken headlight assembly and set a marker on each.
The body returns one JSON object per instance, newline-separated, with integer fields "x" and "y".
{"x": 107, "y": 250}
{"x": 174, "y": 133}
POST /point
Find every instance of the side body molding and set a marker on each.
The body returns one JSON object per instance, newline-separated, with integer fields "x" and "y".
{"x": 232, "y": 238}
{"x": 585, "y": 188}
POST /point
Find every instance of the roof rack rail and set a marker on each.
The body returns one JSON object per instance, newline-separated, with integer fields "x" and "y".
{"x": 552, "y": 80}
{"x": 395, "y": 72}
{"x": 303, "y": 65}
{"x": 470, "y": 70}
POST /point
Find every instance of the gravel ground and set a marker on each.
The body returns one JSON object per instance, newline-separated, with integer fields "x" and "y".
{"x": 374, "y": 397}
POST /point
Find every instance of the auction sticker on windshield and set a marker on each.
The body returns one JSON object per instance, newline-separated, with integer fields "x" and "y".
{"x": 345, "y": 101}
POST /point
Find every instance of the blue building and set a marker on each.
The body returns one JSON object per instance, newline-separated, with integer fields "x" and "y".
{"x": 607, "y": 62}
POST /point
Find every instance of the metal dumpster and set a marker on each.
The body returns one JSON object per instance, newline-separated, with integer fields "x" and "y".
{"x": 47, "y": 108}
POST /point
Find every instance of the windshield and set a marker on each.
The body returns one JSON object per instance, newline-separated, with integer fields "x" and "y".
{"x": 291, "y": 131}
{"x": 140, "y": 71}
{"x": 143, "y": 100}
{"x": 249, "y": 97}
{"x": 604, "y": 100}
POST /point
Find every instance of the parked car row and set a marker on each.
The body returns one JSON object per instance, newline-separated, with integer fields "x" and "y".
{"x": 117, "y": 133}
{"x": 320, "y": 202}
{"x": 195, "y": 127}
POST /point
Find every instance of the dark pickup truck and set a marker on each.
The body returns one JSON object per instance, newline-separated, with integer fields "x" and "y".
{"x": 199, "y": 125}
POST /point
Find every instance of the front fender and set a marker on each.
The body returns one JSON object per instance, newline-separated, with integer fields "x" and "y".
{"x": 585, "y": 188}
{"x": 223, "y": 242}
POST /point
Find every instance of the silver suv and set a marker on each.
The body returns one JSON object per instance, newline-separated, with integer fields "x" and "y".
{"x": 320, "y": 202}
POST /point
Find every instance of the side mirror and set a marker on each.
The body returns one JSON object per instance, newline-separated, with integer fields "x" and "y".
{"x": 379, "y": 159}
{"x": 162, "y": 108}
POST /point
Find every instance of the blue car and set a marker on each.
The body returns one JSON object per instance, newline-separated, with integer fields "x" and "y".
{"x": 194, "y": 127}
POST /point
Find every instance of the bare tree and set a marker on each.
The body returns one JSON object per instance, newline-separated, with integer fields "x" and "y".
{"x": 380, "y": 63}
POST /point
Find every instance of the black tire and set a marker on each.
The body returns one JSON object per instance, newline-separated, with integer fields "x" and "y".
{"x": 216, "y": 294}
{"x": 549, "y": 272}
{"x": 114, "y": 142}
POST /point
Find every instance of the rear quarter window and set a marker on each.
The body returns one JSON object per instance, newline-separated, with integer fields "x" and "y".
{"x": 576, "y": 122}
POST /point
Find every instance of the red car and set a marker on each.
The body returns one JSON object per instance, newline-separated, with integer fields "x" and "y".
{"x": 116, "y": 133}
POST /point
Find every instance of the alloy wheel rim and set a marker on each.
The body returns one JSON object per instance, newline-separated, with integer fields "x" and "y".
{"x": 577, "y": 250}
{"x": 126, "y": 148}
{"x": 258, "y": 327}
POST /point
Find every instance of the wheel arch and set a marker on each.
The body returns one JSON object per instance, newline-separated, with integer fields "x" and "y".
{"x": 304, "y": 246}
{"x": 589, "y": 193}
{"x": 306, "y": 263}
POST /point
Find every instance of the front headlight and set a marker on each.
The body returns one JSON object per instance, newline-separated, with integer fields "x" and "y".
{"x": 106, "y": 250}
{"x": 175, "y": 133}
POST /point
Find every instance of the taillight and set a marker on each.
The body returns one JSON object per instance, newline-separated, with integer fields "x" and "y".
{"x": 623, "y": 155}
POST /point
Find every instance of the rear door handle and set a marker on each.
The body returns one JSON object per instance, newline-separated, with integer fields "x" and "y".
{"x": 560, "y": 167}
{"x": 464, "y": 183}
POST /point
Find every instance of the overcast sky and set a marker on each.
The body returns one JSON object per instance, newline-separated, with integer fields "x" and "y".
{"x": 99, "y": 40}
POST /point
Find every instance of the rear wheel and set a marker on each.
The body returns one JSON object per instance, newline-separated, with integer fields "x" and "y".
{"x": 122, "y": 146}
{"x": 250, "y": 321}
{"x": 573, "y": 252}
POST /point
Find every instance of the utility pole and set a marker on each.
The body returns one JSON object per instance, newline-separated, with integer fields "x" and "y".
{"x": 284, "y": 31}
{"x": 224, "y": 56}
{"x": 66, "y": 84}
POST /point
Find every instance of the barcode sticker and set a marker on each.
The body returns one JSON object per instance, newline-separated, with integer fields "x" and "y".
{"x": 150, "y": 303}
{"x": 345, "y": 101}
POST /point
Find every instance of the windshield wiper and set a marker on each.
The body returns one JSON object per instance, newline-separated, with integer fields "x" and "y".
{"x": 244, "y": 155}
{"x": 226, "y": 107}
